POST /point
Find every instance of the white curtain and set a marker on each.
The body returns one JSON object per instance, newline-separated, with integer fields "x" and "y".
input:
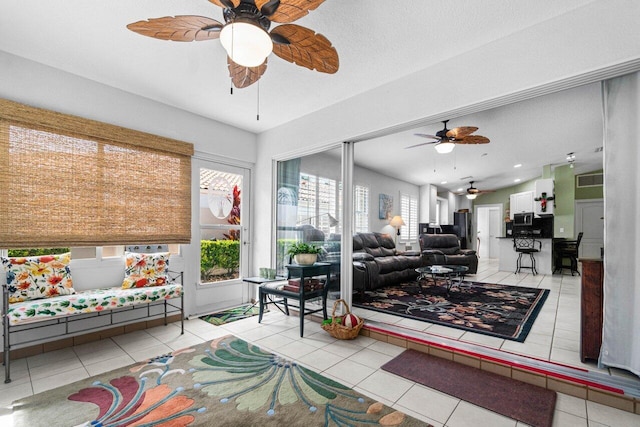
{"x": 621, "y": 334}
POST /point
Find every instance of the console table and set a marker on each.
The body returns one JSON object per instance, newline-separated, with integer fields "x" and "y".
{"x": 273, "y": 293}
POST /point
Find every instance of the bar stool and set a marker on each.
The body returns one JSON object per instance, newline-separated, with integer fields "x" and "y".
{"x": 526, "y": 244}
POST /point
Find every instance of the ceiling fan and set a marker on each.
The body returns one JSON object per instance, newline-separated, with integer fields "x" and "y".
{"x": 472, "y": 192}
{"x": 245, "y": 36}
{"x": 446, "y": 139}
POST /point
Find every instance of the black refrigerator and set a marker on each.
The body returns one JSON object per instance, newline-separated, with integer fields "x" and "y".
{"x": 463, "y": 221}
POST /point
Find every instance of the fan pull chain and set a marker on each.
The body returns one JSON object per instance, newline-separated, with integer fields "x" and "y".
{"x": 232, "y": 45}
{"x": 258, "y": 106}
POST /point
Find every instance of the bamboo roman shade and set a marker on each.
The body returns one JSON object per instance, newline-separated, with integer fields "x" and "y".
{"x": 68, "y": 181}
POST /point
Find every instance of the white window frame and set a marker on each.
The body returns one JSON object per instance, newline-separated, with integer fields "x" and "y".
{"x": 409, "y": 214}
{"x": 360, "y": 209}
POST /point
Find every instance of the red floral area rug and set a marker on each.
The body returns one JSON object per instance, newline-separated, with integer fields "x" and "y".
{"x": 498, "y": 310}
{"x": 225, "y": 382}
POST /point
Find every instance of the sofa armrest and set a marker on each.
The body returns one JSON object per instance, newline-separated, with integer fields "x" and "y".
{"x": 432, "y": 252}
{"x": 410, "y": 253}
{"x": 362, "y": 256}
{"x": 467, "y": 252}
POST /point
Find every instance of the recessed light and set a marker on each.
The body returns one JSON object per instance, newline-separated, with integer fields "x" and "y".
{"x": 459, "y": 189}
{"x": 518, "y": 165}
{"x": 443, "y": 182}
{"x": 516, "y": 180}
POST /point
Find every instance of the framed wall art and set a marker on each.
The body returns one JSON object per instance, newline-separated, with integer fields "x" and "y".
{"x": 386, "y": 206}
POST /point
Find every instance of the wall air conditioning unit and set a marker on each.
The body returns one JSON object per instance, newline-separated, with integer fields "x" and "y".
{"x": 590, "y": 180}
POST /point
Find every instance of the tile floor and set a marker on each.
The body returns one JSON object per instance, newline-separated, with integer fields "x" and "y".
{"x": 354, "y": 363}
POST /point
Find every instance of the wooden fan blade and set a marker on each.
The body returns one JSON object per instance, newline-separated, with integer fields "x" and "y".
{"x": 289, "y": 10}
{"x": 185, "y": 28}
{"x": 422, "y": 143}
{"x": 226, "y": 4}
{"x": 461, "y": 132}
{"x": 422, "y": 135}
{"x": 242, "y": 76}
{"x": 306, "y": 48}
{"x": 473, "y": 139}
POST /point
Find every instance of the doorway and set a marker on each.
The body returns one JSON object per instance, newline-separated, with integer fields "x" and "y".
{"x": 590, "y": 220}
{"x": 488, "y": 229}
{"x": 220, "y": 242}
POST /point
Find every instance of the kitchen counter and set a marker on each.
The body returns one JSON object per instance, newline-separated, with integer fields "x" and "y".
{"x": 509, "y": 257}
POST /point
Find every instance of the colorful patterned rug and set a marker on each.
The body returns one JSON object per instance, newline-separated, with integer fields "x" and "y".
{"x": 232, "y": 314}
{"x": 498, "y": 310}
{"x": 225, "y": 382}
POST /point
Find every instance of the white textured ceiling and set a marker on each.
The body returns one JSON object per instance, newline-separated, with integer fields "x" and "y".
{"x": 377, "y": 42}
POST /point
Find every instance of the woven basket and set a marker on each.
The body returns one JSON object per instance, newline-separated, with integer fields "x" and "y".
{"x": 338, "y": 330}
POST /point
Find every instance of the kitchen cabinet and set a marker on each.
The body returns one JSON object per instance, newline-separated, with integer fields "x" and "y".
{"x": 544, "y": 186}
{"x": 521, "y": 202}
{"x": 591, "y": 309}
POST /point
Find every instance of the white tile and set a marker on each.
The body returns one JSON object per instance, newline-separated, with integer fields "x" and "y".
{"x": 350, "y": 372}
{"x": 445, "y": 331}
{"x": 428, "y": 402}
{"x": 371, "y": 358}
{"x": 485, "y": 340}
{"x": 572, "y": 405}
{"x": 60, "y": 379}
{"x": 45, "y": 359}
{"x": 17, "y": 391}
{"x": 296, "y": 349}
{"x": 320, "y": 360}
{"x": 417, "y": 415}
{"x": 107, "y": 365}
{"x": 468, "y": 415}
{"x": 564, "y": 419}
{"x": 387, "y": 385}
{"x": 145, "y": 353}
{"x": 273, "y": 342}
{"x": 183, "y": 341}
{"x": 386, "y": 348}
{"x": 55, "y": 367}
{"x": 343, "y": 348}
{"x": 611, "y": 416}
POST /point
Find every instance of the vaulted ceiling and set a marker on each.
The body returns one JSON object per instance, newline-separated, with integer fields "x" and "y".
{"x": 377, "y": 42}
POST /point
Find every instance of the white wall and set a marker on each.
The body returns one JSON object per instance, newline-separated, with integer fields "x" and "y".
{"x": 571, "y": 49}
{"x": 328, "y": 166}
{"x": 41, "y": 86}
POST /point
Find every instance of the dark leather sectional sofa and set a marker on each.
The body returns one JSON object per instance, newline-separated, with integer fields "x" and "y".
{"x": 376, "y": 263}
{"x": 444, "y": 249}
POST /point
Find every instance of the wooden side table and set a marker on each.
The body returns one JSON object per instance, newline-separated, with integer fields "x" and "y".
{"x": 273, "y": 295}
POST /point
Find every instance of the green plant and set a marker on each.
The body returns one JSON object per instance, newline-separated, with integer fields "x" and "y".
{"x": 224, "y": 254}
{"x": 303, "y": 248}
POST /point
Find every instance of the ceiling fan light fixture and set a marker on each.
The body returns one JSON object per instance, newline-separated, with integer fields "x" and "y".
{"x": 246, "y": 44}
{"x": 445, "y": 147}
{"x": 471, "y": 196}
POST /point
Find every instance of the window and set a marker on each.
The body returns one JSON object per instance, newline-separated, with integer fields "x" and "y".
{"x": 317, "y": 203}
{"x": 409, "y": 213}
{"x": 361, "y": 209}
{"x": 89, "y": 183}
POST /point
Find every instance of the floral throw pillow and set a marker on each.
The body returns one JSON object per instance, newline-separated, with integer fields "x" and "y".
{"x": 145, "y": 269}
{"x": 38, "y": 277}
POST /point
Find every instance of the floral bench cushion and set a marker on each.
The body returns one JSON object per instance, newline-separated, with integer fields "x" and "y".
{"x": 91, "y": 301}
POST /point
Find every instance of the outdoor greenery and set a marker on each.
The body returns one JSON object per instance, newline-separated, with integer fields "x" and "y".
{"x": 221, "y": 255}
{"x": 37, "y": 252}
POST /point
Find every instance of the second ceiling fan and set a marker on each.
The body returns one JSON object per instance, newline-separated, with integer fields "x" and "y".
{"x": 446, "y": 139}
